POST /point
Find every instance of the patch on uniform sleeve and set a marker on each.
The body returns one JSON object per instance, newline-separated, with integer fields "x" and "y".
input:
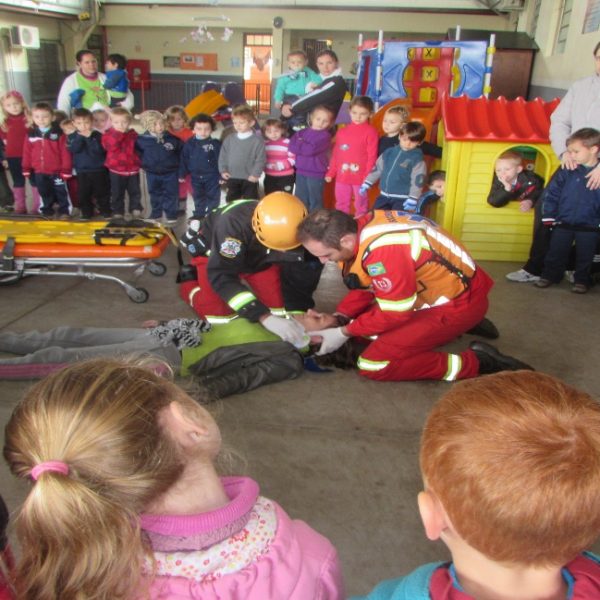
{"x": 376, "y": 269}
{"x": 230, "y": 247}
{"x": 383, "y": 284}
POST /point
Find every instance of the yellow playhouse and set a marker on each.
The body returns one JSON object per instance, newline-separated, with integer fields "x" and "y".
{"x": 473, "y": 133}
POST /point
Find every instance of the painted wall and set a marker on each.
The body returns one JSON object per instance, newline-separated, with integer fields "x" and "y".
{"x": 553, "y": 73}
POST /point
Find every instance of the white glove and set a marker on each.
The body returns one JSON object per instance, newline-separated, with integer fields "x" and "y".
{"x": 289, "y": 330}
{"x": 333, "y": 339}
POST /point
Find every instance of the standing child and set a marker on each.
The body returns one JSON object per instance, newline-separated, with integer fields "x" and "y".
{"x": 124, "y": 447}
{"x": 47, "y": 160}
{"x": 159, "y": 152}
{"x": 394, "y": 119}
{"x": 573, "y": 210}
{"x": 101, "y": 119}
{"x": 116, "y": 81}
{"x": 177, "y": 125}
{"x": 512, "y": 487}
{"x": 200, "y": 158}
{"x": 279, "y": 168}
{"x": 6, "y": 196}
{"x": 512, "y": 183}
{"x": 123, "y": 164}
{"x": 312, "y": 147}
{"x": 401, "y": 170}
{"x": 15, "y": 119}
{"x": 85, "y": 144}
{"x": 242, "y": 158}
{"x": 354, "y": 155}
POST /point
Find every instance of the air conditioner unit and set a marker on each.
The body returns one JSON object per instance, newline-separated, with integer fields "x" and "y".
{"x": 509, "y": 5}
{"x": 25, "y": 36}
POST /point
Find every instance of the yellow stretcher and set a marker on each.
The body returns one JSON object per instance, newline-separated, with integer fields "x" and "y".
{"x": 41, "y": 247}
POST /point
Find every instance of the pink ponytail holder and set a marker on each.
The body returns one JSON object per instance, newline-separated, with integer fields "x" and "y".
{"x": 16, "y": 94}
{"x": 58, "y": 466}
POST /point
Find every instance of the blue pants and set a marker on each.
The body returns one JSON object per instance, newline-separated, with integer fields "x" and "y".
{"x": 310, "y": 191}
{"x": 206, "y": 193}
{"x": 164, "y": 194}
{"x": 53, "y": 190}
{"x": 556, "y": 260}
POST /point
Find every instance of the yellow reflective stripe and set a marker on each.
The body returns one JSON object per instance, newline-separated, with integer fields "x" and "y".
{"x": 371, "y": 365}
{"x": 418, "y": 242}
{"x": 390, "y": 239}
{"x": 454, "y": 367}
{"x": 280, "y": 312}
{"x": 220, "y": 319}
{"x": 240, "y": 300}
{"x": 193, "y": 292}
{"x": 397, "y": 305}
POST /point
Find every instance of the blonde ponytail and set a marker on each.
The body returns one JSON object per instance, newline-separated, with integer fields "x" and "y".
{"x": 79, "y": 532}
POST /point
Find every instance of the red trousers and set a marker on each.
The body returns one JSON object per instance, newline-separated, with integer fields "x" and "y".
{"x": 407, "y": 353}
{"x": 200, "y": 295}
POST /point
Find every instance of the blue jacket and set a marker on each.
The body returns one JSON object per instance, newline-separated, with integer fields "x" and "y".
{"x": 200, "y": 158}
{"x": 88, "y": 153}
{"x": 116, "y": 81}
{"x": 159, "y": 156}
{"x": 567, "y": 200}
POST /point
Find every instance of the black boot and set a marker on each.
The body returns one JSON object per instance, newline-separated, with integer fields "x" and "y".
{"x": 492, "y": 361}
{"x": 485, "y": 328}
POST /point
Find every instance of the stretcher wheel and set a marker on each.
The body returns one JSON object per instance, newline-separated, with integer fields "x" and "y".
{"x": 157, "y": 268}
{"x": 138, "y": 295}
{"x": 10, "y": 278}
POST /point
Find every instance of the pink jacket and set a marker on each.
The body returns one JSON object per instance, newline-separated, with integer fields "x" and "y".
{"x": 354, "y": 153}
{"x": 247, "y": 550}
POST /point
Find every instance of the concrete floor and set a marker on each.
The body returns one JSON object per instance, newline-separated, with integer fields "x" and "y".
{"x": 333, "y": 449}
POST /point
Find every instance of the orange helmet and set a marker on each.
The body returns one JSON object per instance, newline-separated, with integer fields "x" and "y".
{"x": 276, "y": 218}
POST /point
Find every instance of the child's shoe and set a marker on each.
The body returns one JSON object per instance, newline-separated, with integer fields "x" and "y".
{"x": 522, "y": 276}
{"x": 20, "y": 205}
{"x": 580, "y": 288}
{"x": 542, "y": 283}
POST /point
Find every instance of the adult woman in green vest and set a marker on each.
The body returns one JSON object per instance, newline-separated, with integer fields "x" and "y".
{"x": 85, "y": 87}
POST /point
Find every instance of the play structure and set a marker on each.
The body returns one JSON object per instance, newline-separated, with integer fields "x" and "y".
{"x": 40, "y": 247}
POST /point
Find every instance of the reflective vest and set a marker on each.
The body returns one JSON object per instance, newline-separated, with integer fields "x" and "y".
{"x": 443, "y": 268}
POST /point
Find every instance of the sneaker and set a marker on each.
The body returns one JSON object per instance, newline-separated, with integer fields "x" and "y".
{"x": 580, "y": 288}
{"x": 491, "y": 360}
{"x": 522, "y": 276}
{"x": 63, "y": 217}
{"x": 136, "y": 214}
{"x": 486, "y": 329}
{"x": 118, "y": 216}
{"x": 170, "y": 221}
{"x": 542, "y": 283}
{"x": 570, "y": 276}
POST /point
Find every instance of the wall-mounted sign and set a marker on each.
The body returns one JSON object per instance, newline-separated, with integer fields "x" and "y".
{"x": 198, "y": 62}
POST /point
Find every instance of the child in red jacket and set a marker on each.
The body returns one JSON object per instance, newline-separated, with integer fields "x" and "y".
{"x": 47, "y": 160}
{"x": 354, "y": 155}
{"x": 123, "y": 164}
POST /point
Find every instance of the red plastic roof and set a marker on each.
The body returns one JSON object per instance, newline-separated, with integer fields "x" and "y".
{"x": 499, "y": 120}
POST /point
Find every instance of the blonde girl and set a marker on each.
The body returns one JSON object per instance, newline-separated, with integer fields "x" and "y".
{"x": 15, "y": 119}
{"x": 125, "y": 501}
{"x": 178, "y": 125}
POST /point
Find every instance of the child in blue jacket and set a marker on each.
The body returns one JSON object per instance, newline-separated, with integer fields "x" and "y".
{"x": 159, "y": 153}
{"x": 200, "y": 158}
{"x": 512, "y": 487}
{"x": 116, "y": 82}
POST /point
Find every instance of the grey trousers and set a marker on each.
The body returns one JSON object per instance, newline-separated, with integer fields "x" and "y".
{"x": 71, "y": 344}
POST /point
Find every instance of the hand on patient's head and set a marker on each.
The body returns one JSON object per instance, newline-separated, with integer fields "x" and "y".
{"x": 313, "y": 320}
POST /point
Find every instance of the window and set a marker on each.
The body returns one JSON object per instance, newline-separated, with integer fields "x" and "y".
{"x": 563, "y": 28}
{"x": 45, "y": 72}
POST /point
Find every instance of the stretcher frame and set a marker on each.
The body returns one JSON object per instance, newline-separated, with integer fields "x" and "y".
{"x": 43, "y": 259}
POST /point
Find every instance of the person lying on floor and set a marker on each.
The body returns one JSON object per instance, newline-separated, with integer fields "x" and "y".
{"x": 227, "y": 358}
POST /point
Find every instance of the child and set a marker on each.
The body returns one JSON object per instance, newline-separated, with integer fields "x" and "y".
{"x": 512, "y": 487}
{"x": 394, "y": 119}
{"x": 123, "y": 164}
{"x": 85, "y": 144}
{"x": 125, "y": 448}
{"x": 242, "y": 158}
{"x": 293, "y": 84}
{"x": 15, "y": 119}
{"x": 116, "y": 81}
{"x": 159, "y": 153}
{"x": 6, "y": 197}
{"x": 573, "y": 210}
{"x": 354, "y": 155}
{"x": 401, "y": 169}
{"x": 512, "y": 183}
{"x": 200, "y": 157}
{"x": 177, "y": 125}
{"x": 436, "y": 182}
{"x": 101, "y": 119}
{"x": 312, "y": 147}
{"x": 47, "y": 160}
{"x": 279, "y": 168}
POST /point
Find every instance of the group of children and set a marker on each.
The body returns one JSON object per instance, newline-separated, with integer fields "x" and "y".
{"x": 567, "y": 212}
{"x": 126, "y": 502}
